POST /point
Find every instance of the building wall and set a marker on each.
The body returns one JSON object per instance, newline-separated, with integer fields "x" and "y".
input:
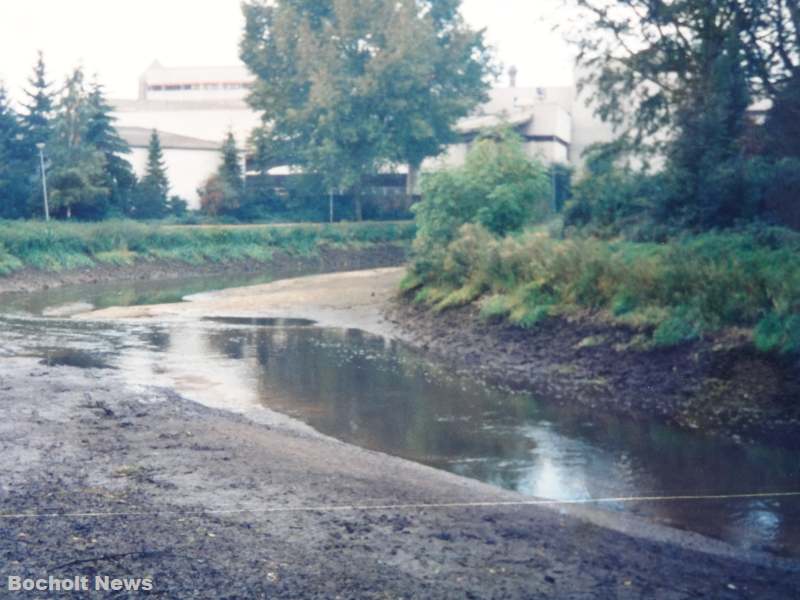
{"x": 197, "y": 92}
{"x": 206, "y": 103}
{"x": 548, "y": 152}
{"x": 550, "y": 120}
{"x": 186, "y": 169}
{"x": 210, "y": 124}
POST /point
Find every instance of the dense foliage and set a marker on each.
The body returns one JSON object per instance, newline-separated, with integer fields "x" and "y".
{"x": 348, "y": 87}
{"x": 89, "y": 177}
{"x": 498, "y": 186}
{"x": 675, "y": 292}
{"x": 680, "y": 79}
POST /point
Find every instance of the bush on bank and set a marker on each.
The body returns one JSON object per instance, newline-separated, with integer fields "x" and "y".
{"x": 677, "y": 291}
{"x": 59, "y": 246}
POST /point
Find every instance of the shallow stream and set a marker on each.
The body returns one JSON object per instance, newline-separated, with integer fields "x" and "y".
{"x": 382, "y": 395}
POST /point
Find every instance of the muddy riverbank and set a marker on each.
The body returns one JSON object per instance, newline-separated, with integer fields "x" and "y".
{"x": 327, "y": 259}
{"x": 139, "y": 481}
{"x": 102, "y": 479}
{"x": 721, "y": 386}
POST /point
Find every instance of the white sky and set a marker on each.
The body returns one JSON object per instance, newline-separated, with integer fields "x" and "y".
{"x": 118, "y": 39}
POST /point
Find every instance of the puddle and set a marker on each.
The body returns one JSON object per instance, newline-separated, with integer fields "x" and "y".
{"x": 75, "y": 358}
{"x": 262, "y": 321}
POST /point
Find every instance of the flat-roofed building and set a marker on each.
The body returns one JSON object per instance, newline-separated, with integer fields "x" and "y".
{"x": 195, "y": 108}
{"x": 195, "y": 83}
{"x": 539, "y": 115}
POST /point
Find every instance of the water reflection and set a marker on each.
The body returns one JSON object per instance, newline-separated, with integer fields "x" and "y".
{"x": 67, "y": 300}
{"x": 380, "y": 395}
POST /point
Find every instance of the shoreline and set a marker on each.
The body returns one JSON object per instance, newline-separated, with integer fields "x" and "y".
{"x": 186, "y": 480}
{"x": 328, "y": 259}
{"x": 721, "y": 387}
{"x": 152, "y": 484}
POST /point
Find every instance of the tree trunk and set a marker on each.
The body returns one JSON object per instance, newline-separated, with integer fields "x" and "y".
{"x": 358, "y": 193}
{"x": 412, "y": 180}
{"x": 357, "y": 205}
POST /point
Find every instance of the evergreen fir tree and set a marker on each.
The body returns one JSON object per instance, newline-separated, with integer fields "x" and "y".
{"x": 706, "y": 160}
{"x": 151, "y": 201}
{"x": 222, "y": 193}
{"x": 156, "y": 173}
{"x": 231, "y": 169}
{"x": 101, "y": 134}
{"x": 15, "y": 174}
{"x": 76, "y": 177}
{"x": 37, "y": 121}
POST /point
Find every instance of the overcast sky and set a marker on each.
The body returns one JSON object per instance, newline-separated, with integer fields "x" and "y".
{"x": 118, "y": 39}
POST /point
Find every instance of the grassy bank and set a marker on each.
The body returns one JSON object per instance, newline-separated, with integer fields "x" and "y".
{"x": 63, "y": 246}
{"x": 674, "y": 292}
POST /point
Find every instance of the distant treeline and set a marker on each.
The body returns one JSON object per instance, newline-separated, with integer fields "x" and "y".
{"x": 69, "y": 132}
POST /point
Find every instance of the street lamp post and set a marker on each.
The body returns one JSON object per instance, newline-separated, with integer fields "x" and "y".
{"x": 40, "y": 147}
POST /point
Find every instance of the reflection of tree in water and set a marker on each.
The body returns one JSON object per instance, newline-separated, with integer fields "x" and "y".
{"x": 158, "y": 338}
{"x": 375, "y": 393}
{"x": 382, "y": 396}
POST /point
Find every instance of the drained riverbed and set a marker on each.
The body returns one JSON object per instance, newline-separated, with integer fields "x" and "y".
{"x": 381, "y": 394}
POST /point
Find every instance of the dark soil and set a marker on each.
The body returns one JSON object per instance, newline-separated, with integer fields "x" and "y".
{"x": 721, "y": 386}
{"x": 140, "y": 474}
{"x": 100, "y": 479}
{"x": 327, "y": 259}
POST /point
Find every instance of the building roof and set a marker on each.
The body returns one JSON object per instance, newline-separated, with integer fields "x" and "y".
{"x": 139, "y": 137}
{"x": 481, "y": 122}
{"x": 157, "y": 74}
{"x": 513, "y": 99}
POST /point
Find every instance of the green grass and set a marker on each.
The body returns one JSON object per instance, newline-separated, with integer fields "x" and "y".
{"x": 60, "y": 246}
{"x": 677, "y": 292}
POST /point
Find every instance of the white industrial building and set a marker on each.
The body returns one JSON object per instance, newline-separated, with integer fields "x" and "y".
{"x": 194, "y": 108}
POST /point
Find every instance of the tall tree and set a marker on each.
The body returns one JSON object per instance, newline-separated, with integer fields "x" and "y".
{"x": 230, "y": 169}
{"x": 222, "y": 193}
{"x": 151, "y": 197}
{"x": 102, "y": 135}
{"x": 15, "y": 167}
{"x": 647, "y": 57}
{"x": 350, "y": 86}
{"x": 37, "y": 120}
{"x": 76, "y": 177}
{"x": 707, "y": 157}
{"x": 678, "y": 76}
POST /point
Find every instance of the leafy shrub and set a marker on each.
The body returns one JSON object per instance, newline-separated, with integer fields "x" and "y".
{"x": 498, "y": 186}
{"x": 778, "y": 333}
{"x": 681, "y": 326}
{"x": 608, "y": 199}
